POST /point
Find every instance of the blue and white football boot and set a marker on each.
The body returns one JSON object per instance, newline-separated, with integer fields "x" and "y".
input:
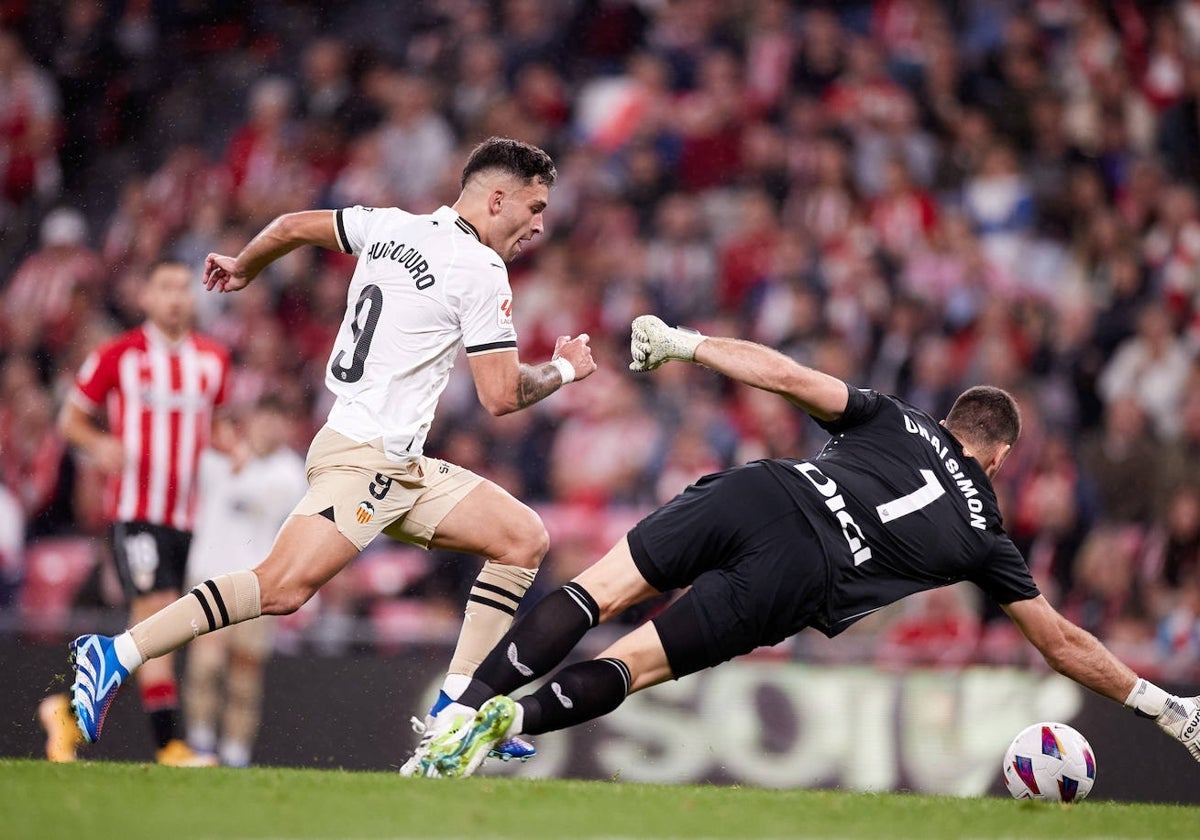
{"x": 98, "y": 678}
{"x": 513, "y": 749}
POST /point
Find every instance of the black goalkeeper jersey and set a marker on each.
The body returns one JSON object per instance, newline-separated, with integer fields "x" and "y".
{"x": 899, "y": 509}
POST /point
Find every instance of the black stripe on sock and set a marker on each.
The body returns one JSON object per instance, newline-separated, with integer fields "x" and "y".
{"x": 488, "y": 602}
{"x": 212, "y": 587}
{"x": 490, "y": 588}
{"x": 212, "y": 622}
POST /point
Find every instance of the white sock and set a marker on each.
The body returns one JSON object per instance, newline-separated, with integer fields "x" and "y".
{"x": 455, "y": 685}
{"x": 455, "y": 711}
{"x": 235, "y": 754}
{"x": 518, "y": 723}
{"x": 127, "y": 652}
{"x": 202, "y": 738}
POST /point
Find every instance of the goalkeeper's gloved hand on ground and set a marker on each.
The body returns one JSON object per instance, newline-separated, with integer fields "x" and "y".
{"x": 653, "y": 342}
{"x": 1179, "y": 717}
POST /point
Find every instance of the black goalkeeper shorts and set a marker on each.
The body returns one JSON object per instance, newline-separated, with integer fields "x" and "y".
{"x": 750, "y": 555}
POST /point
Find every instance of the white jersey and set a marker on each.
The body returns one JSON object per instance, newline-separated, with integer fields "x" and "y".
{"x": 423, "y": 286}
{"x": 240, "y": 513}
{"x": 12, "y": 537}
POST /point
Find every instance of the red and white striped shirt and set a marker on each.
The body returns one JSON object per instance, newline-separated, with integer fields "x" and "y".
{"x": 160, "y": 397}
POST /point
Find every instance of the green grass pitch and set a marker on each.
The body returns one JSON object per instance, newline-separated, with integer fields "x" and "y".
{"x": 98, "y": 801}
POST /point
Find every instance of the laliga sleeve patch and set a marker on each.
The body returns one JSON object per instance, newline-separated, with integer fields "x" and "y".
{"x": 504, "y": 310}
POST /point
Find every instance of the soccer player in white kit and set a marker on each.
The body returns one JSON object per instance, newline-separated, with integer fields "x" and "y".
{"x": 244, "y": 498}
{"x": 423, "y": 286}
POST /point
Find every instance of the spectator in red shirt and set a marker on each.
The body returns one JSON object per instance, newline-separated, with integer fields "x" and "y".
{"x": 264, "y": 156}
{"x": 33, "y": 451}
{"x": 29, "y": 126}
{"x": 55, "y": 287}
{"x": 903, "y": 216}
{"x": 746, "y": 258}
{"x": 710, "y": 119}
{"x": 938, "y": 629}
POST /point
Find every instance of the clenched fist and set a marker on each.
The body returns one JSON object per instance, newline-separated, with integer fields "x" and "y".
{"x": 653, "y": 342}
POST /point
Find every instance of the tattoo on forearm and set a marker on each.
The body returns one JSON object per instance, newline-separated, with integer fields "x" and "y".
{"x": 536, "y": 382}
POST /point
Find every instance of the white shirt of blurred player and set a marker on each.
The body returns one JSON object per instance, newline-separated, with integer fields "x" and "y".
{"x": 12, "y": 536}
{"x": 423, "y": 286}
{"x": 240, "y": 513}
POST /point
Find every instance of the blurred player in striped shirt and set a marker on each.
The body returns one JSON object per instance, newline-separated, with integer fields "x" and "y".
{"x": 157, "y": 388}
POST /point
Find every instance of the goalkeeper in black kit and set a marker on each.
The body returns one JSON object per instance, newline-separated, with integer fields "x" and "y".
{"x": 895, "y": 503}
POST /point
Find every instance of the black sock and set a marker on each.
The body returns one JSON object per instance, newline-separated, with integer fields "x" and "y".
{"x": 577, "y": 693}
{"x": 165, "y": 723}
{"x": 536, "y": 643}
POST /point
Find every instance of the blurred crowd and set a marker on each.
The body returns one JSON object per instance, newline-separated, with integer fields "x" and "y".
{"x": 913, "y": 195}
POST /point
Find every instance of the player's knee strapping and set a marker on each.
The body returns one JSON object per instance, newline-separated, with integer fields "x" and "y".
{"x": 224, "y": 600}
{"x": 535, "y": 644}
{"x": 578, "y": 693}
{"x": 494, "y": 598}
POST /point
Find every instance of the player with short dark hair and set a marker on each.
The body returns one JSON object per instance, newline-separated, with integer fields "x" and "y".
{"x": 158, "y": 386}
{"x": 894, "y": 504}
{"x": 507, "y": 155}
{"x": 424, "y": 287}
{"x": 987, "y": 414}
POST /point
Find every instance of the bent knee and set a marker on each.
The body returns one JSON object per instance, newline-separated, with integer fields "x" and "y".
{"x": 528, "y": 543}
{"x": 539, "y": 544}
{"x": 284, "y": 598}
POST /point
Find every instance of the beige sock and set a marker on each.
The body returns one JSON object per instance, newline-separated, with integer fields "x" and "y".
{"x": 490, "y": 609}
{"x": 224, "y": 600}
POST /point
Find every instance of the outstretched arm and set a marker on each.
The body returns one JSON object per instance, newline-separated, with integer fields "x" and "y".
{"x": 283, "y": 235}
{"x": 1071, "y": 650}
{"x": 1078, "y": 654}
{"x": 821, "y": 395}
{"x": 505, "y": 385}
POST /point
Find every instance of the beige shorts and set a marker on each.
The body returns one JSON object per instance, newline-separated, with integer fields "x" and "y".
{"x": 367, "y": 493}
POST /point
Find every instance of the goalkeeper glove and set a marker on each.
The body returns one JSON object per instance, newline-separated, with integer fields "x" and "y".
{"x": 1179, "y": 717}
{"x": 652, "y": 343}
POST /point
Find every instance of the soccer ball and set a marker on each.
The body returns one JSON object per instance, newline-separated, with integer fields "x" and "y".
{"x": 1050, "y": 761}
